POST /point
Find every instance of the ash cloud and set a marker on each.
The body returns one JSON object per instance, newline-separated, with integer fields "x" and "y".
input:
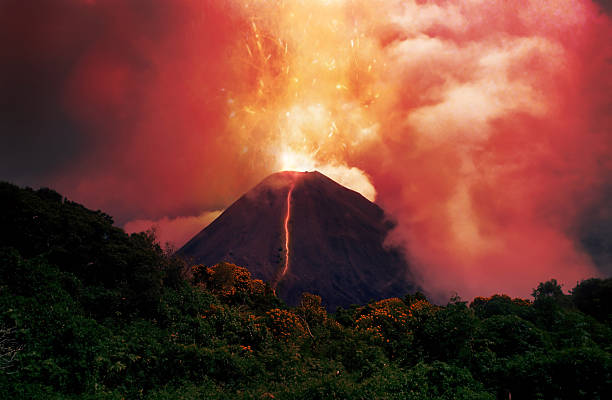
{"x": 499, "y": 142}
{"x": 120, "y": 104}
{"x": 484, "y": 126}
{"x": 606, "y": 5}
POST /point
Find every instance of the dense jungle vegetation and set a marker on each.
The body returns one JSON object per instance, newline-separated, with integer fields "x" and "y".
{"x": 88, "y": 311}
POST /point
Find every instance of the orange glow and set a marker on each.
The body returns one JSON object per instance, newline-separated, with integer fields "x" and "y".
{"x": 312, "y": 82}
{"x": 411, "y": 97}
{"x": 481, "y": 127}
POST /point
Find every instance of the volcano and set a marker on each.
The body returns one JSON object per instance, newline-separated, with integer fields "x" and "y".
{"x": 303, "y": 232}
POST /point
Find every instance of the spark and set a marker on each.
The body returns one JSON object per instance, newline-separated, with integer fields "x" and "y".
{"x": 306, "y": 80}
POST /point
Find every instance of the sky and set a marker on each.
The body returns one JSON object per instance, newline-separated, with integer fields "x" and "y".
{"x": 482, "y": 127}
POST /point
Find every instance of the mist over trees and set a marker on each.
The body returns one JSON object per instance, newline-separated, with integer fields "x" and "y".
{"x": 87, "y": 311}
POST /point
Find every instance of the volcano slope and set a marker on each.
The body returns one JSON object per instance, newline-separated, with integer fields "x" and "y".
{"x": 303, "y": 232}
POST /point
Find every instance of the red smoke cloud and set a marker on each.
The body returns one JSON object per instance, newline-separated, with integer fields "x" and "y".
{"x": 504, "y": 140}
{"x": 501, "y": 154}
{"x": 484, "y": 126}
{"x": 151, "y": 88}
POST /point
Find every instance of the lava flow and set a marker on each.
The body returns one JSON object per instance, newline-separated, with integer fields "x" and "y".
{"x": 287, "y": 235}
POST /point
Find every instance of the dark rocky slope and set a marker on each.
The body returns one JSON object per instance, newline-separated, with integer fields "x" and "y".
{"x": 336, "y": 245}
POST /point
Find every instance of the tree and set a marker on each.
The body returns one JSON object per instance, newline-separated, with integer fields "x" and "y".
{"x": 594, "y": 297}
{"x": 549, "y": 296}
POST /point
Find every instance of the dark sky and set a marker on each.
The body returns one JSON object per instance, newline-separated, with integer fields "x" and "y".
{"x": 484, "y": 127}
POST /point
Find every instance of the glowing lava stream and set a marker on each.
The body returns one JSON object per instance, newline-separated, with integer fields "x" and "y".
{"x": 287, "y": 235}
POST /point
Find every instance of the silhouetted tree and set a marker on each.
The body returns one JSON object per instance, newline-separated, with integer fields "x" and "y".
{"x": 594, "y": 297}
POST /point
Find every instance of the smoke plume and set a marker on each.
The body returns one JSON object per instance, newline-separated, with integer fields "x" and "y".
{"x": 481, "y": 127}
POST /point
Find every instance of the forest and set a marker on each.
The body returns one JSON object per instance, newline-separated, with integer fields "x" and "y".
{"x": 90, "y": 312}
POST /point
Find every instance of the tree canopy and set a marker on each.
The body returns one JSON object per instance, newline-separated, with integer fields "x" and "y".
{"x": 88, "y": 311}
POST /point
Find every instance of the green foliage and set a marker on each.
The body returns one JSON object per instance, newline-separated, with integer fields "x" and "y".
{"x": 549, "y": 294}
{"x": 574, "y": 373}
{"x": 594, "y": 297}
{"x": 233, "y": 284}
{"x": 506, "y": 335}
{"x": 502, "y": 305}
{"x": 89, "y": 312}
{"x": 437, "y": 380}
{"x": 448, "y": 333}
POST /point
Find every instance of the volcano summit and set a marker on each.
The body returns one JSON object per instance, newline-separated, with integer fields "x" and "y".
{"x": 303, "y": 232}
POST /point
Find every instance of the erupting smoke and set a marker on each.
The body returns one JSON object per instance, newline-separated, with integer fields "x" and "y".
{"x": 478, "y": 123}
{"x": 481, "y": 127}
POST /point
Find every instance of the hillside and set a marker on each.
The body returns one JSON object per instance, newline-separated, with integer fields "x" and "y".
{"x": 336, "y": 241}
{"x": 89, "y": 312}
